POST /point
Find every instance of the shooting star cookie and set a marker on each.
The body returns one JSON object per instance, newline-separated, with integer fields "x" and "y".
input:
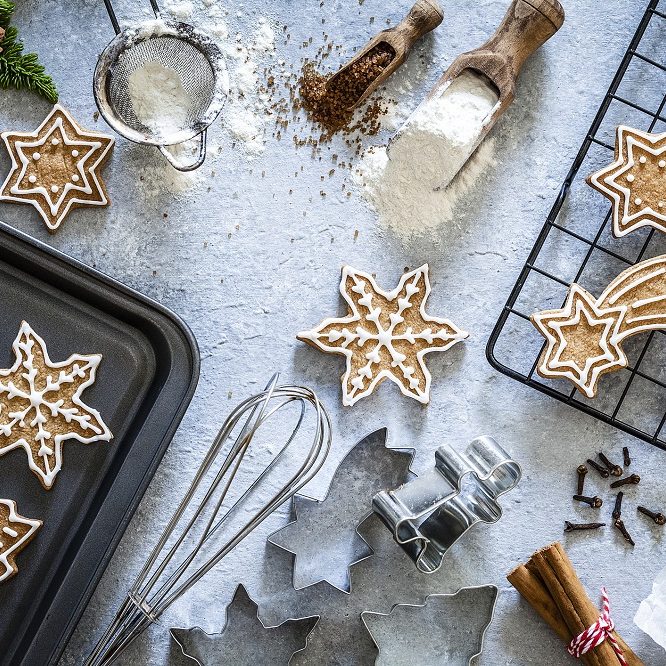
{"x": 385, "y": 335}
{"x": 584, "y": 338}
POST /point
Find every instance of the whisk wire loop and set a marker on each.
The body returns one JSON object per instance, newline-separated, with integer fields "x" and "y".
{"x": 177, "y": 562}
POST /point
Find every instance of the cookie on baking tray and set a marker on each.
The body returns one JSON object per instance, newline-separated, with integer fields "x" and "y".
{"x": 385, "y": 335}
{"x": 41, "y": 405}
{"x": 56, "y": 167}
{"x": 16, "y": 532}
{"x": 635, "y": 182}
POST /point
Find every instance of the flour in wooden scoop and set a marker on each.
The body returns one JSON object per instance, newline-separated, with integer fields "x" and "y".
{"x": 414, "y": 185}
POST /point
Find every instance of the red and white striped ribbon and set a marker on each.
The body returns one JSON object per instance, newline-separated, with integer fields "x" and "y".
{"x": 599, "y": 632}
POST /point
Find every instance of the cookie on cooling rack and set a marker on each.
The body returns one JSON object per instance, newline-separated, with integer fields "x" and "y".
{"x": 635, "y": 182}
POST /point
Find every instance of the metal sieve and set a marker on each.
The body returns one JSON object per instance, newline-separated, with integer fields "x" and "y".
{"x": 192, "y": 54}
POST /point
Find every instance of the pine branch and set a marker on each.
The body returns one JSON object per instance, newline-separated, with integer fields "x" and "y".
{"x": 6, "y": 11}
{"x": 17, "y": 69}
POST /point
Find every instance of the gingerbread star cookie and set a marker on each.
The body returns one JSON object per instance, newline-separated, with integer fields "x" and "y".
{"x": 635, "y": 182}
{"x": 584, "y": 339}
{"x": 41, "y": 405}
{"x": 56, "y": 167}
{"x": 16, "y": 532}
{"x": 384, "y": 335}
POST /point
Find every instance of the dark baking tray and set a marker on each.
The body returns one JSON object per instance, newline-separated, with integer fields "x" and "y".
{"x": 144, "y": 384}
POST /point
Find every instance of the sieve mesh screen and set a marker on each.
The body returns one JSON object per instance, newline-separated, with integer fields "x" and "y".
{"x": 194, "y": 69}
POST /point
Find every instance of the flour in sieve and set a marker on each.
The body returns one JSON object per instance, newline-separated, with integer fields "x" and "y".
{"x": 159, "y": 99}
{"x": 406, "y": 189}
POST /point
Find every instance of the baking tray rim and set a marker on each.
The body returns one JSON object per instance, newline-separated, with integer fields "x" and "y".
{"x": 194, "y": 361}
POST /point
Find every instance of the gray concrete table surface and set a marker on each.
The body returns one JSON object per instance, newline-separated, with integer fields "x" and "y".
{"x": 247, "y": 264}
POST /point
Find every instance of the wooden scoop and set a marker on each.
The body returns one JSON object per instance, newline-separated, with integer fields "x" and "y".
{"x": 527, "y": 25}
{"x": 423, "y": 17}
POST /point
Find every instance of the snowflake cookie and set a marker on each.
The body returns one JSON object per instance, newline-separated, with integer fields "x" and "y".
{"x": 41, "y": 406}
{"x": 55, "y": 168}
{"x": 16, "y": 532}
{"x": 384, "y": 335}
{"x": 636, "y": 181}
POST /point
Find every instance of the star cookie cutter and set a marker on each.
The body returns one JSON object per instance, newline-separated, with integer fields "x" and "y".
{"x": 434, "y": 630}
{"x": 245, "y": 639}
{"x": 429, "y": 514}
{"x": 323, "y": 537}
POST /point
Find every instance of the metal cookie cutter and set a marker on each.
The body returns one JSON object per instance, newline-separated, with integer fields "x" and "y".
{"x": 446, "y": 629}
{"x": 428, "y": 515}
{"x": 245, "y": 638}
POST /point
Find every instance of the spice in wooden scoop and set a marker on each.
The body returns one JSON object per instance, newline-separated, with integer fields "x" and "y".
{"x": 332, "y": 105}
{"x": 330, "y": 100}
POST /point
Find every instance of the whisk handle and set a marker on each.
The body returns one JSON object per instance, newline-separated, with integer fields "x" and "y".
{"x": 187, "y": 166}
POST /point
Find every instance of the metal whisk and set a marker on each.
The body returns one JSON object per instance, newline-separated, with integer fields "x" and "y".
{"x": 177, "y": 562}
{"x": 179, "y": 47}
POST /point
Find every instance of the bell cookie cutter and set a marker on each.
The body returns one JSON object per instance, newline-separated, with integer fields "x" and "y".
{"x": 429, "y": 514}
{"x": 445, "y": 629}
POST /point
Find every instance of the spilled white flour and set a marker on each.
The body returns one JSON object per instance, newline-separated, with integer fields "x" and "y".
{"x": 651, "y": 614}
{"x": 418, "y": 188}
{"x": 158, "y": 98}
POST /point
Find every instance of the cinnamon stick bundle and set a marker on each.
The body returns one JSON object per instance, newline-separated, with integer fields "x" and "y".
{"x": 549, "y": 583}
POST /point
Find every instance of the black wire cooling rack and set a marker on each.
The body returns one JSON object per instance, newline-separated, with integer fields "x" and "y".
{"x": 576, "y": 245}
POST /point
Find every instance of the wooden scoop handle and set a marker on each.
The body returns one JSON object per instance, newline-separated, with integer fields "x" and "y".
{"x": 526, "y": 26}
{"x": 423, "y": 17}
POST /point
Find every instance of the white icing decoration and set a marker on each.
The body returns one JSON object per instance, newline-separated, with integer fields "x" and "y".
{"x": 607, "y": 180}
{"x": 40, "y": 410}
{"x": 383, "y": 338}
{"x": 93, "y": 146}
{"x": 14, "y": 517}
{"x": 75, "y": 177}
{"x": 54, "y": 188}
{"x": 55, "y": 142}
{"x": 32, "y": 179}
{"x": 579, "y": 302}
{"x": 631, "y": 178}
{"x": 662, "y": 164}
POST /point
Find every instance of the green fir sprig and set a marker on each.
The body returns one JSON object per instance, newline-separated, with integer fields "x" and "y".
{"x": 17, "y": 69}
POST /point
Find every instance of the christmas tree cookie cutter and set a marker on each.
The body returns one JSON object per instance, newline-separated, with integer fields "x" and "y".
{"x": 429, "y": 514}
{"x": 445, "y": 629}
{"x": 245, "y": 638}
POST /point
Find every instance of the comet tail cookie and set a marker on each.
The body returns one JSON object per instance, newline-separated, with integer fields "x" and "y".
{"x": 636, "y": 181}
{"x": 585, "y": 337}
{"x": 41, "y": 405}
{"x": 384, "y": 335}
{"x": 16, "y": 532}
{"x": 56, "y": 167}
